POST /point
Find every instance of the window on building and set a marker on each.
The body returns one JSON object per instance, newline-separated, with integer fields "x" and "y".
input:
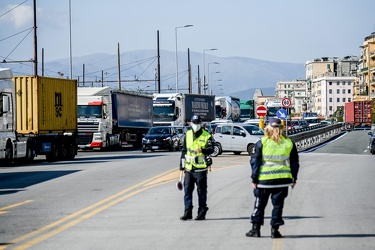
{"x": 349, "y": 99}
{"x": 330, "y": 108}
{"x": 349, "y": 91}
{"x": 329, "y": 83}
{"x": 343, "y": 91}
{"x": 337, "y": 91}
{"x": 343, "y": 99}
{"x": 330, "y": 99}
{"x": 338, "y": 83}
{"x": 343, "y": 83}
{"x": 330, "y": 91}
{"x": 349, "y": 83}
{"x": 338, "y": 99}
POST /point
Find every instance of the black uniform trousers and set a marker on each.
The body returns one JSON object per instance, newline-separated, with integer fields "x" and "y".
{"x": 200, "y": 179}
{"x": 262, "y": 195}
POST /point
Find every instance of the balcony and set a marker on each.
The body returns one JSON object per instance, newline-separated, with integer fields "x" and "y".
{"x": 364, "y": 70}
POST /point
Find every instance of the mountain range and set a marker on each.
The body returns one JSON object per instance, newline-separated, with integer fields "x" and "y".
{"x": 236, "y": 76}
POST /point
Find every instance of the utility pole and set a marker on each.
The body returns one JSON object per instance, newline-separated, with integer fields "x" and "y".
{"x": 199, "y": 82}
{"x": 118, "y": 64}
{"x": 35, "y": 43}
{"x": 189, "y": 73}
{"x": 159, "y": 86}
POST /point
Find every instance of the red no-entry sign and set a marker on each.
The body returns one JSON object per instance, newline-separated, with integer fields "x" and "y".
{"x": 261, "y": 111}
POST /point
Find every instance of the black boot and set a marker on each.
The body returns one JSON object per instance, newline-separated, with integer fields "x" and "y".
{"x": 201, "y": 213}
{"x": 188, "y": 214}
{"x": 275, "y": 234}
{"x": 254, "y": 232}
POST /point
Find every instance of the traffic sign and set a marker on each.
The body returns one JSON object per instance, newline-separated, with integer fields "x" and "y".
{"x": 286, "y": 102}
{"x": 282, "y": 114}
{"x": 261, "y": 110}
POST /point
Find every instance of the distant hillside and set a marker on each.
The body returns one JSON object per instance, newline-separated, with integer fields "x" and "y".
{"x": 239, "y": 76}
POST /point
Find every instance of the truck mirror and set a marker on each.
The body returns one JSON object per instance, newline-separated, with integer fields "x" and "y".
{"x": 105, "y": 111}
{"x": 5, "y": 105}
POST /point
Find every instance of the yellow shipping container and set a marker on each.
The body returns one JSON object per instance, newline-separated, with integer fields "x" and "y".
{"x": 45, "y": 105}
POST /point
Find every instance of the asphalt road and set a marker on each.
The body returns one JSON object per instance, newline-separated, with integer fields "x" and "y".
{"x": 129, "y": 200}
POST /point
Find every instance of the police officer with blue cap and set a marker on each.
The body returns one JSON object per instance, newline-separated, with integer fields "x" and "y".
{"x": 275, "y": 165}
{"x": 196, "y": 149}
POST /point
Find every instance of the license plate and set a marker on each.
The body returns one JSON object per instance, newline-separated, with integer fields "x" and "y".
{"x": 155, "y": 147}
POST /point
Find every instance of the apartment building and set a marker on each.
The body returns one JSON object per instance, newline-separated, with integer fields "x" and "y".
{"x": 297, "y": 92}
{"x": 365, "y": 86}
{"x": 328, "y": 93}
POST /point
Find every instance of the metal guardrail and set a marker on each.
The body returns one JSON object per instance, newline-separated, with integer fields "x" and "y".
{"x": 313, "y": 136}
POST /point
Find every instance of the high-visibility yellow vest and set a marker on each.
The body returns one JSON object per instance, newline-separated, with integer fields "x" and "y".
{"x": 192, "y": 158}
{"x": 275, "y": 161}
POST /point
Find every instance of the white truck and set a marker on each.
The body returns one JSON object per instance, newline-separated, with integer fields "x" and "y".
{"x": 273, "y": 105}
{"x": 176, "y": 109}
{"x": 112, "y": 118}
{"x": 227, "y": 108}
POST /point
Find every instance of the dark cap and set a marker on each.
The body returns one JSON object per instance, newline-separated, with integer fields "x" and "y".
{"x": 274, "y": 122}
{"x": 196, "y": 119}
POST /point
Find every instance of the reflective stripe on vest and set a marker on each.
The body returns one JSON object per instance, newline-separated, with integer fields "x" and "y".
{"x": 275, "y": 161}
{"x": 192, "y": 158}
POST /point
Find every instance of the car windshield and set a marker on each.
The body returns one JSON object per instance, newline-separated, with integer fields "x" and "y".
{"x": 254, "y": 130}
{"x": 159, "y": 130}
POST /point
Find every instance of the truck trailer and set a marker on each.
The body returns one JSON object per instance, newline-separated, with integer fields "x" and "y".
{"x": 38, "y": 116}
{"x": 227, "y": 108}
{"x": 176, "y": 109}
{"x": 358, "y": 114}
{"x": 111, "y": 118}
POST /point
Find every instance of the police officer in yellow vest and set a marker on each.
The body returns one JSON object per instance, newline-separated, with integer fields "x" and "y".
{"x": 196, "y": 149}
{"x": 275, "y": 165}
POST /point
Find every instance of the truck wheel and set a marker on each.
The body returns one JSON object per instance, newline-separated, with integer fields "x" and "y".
{"x": 29, "y": 151}
{"x": 55, "y": 152}
{"x": 250, "y": 149}
{"x": 68, "y": 149}
{"x": 120, "y": 142}
{"x": 8, "y": 155}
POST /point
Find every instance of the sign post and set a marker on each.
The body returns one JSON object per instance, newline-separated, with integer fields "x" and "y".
{"x": 261, "y": 112}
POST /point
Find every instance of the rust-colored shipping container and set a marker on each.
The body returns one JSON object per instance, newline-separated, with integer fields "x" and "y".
{"x": 45, "y": 105}
{"x": 358, "y": 113}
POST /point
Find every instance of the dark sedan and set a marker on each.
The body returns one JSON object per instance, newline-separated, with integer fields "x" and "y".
{"x": 159, "y": 138}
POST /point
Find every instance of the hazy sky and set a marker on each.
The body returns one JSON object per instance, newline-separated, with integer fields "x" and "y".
{"x": 274, "y": 30}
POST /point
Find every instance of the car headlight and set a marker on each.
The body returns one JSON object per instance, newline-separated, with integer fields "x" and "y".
{"x": 167, "y": 139}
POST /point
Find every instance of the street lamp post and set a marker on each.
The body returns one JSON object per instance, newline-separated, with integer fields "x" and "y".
{"x": 214, "y": 88}
{"x": 204, "y": 69}
{"x": 209, "y": 85}
{"x": 175, "y": 32}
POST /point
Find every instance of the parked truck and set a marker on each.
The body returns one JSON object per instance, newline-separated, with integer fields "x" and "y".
{"x": 273, "y": 105}
{"x": 176, "y": 109}
{"x": 358, "y": 114}
{"x": 110, "y": 118}
{"x": 247, "y": 110}
{"x": 38, "y": 116}
{"x": 227, "y": 108}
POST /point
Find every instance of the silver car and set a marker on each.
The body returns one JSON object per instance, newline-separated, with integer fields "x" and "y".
{"x": 236, "y": 137}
